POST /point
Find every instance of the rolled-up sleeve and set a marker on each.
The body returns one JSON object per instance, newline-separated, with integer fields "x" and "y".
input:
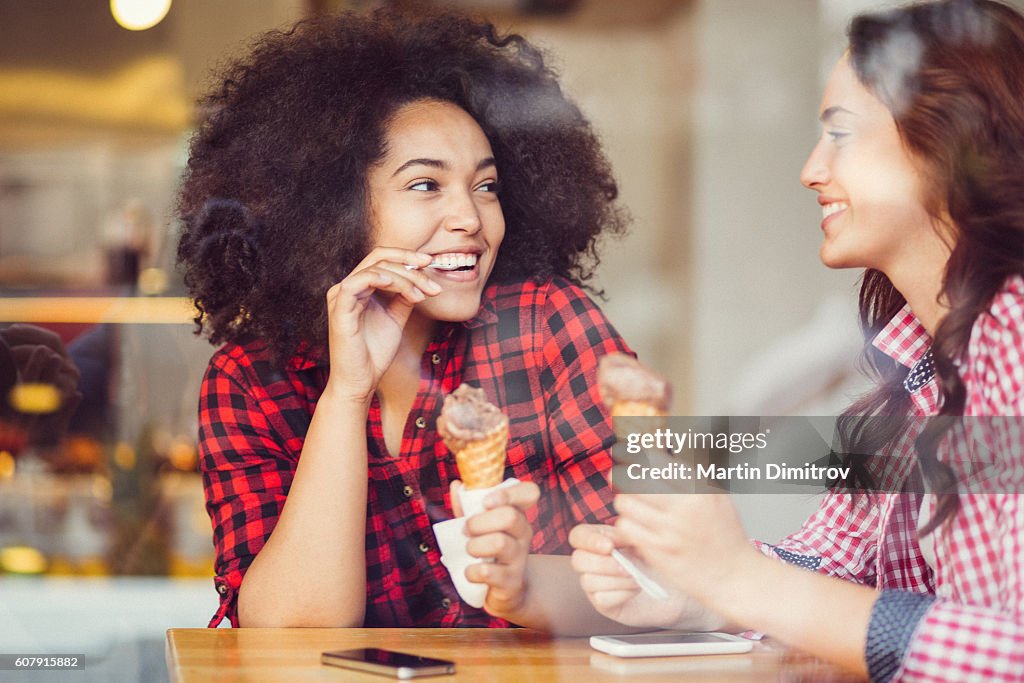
{"x": 840, "y": 539}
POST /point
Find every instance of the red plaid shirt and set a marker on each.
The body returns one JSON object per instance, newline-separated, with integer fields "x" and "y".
{"x": 533, "y": 348}
{"x": 966, "y": 621}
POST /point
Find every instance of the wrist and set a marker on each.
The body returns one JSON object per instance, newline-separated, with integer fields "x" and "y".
{"x": 336, "y": 396}
{"x": 695, "y": 616}
{"x": 512, "y": 606}
{"x": 735, "y": 587}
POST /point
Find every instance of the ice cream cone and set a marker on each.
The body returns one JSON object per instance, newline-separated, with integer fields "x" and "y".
{"x": 476, "y": 431}
{"x": 636, "y": 409}
{"x": 630, "y": 389}
{"x": 482, "y": 462}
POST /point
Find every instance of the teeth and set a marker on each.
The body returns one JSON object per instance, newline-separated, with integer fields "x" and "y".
{"x": 453, "y": 261}
{"x": 835, "y": 207}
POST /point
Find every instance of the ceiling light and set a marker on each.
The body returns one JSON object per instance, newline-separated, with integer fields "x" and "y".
{"x": 138, "y": 15}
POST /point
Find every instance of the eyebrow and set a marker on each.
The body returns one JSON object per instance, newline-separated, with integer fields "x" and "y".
{"x": 443, "y": 165}
{"x": 832, "y": 111}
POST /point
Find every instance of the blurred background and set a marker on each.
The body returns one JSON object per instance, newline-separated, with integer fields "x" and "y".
{"x": 707, "y": 109}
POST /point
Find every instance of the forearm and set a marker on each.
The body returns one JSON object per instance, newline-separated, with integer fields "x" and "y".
{"x": 554, "y": 601}
{"x": 312, "y": 570}
{"x": 800, "y": 608}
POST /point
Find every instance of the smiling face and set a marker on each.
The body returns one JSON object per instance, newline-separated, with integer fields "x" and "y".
{"x": 435, "y": 191}
{"x": 870, "y": 191}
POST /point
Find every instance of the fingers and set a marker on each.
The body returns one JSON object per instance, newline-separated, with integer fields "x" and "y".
{"x": 640, "y": 510}
{"x": 610, "y": 600}
{"x": 392, "y": 269}
{"x": 503, "y": 534}
{"x": 597, "y": 583}
{"x": 505, "y": 519}
{"x": 653, "y": 501}
{"x": 402, "y": 257}
{"x": 501, "y": 548}
{"x": 639, "y": 535}
{"x": 594, "y": 538}
{"x": 584, "y": 562}
{"x": 454, "y": 489}
{"x": 505, "y": 578}
{"x": 352, "y": 292}
{"x": 521, "y": 496}
{"x": 639, "y": 522}
{"x": 419, "y": 279}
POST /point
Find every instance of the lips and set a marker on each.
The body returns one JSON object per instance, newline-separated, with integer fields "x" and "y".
{"x": 454, "y": 261}
{"x": 830, "y": 209}
{"x": 456, "y": 266}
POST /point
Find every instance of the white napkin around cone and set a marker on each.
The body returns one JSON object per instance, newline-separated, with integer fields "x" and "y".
{"x": 452, "y": 542}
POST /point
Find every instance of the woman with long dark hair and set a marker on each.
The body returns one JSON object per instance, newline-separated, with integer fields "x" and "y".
{"x": 920, "y": 176}
{"x": 345, "y": 201}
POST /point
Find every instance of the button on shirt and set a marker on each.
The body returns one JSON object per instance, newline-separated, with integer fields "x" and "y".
{"x": 533, "y": 348}
{"x": 965, "y": 619}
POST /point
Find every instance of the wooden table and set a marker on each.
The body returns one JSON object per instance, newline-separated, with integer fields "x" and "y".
{"x": 267, "y": 655}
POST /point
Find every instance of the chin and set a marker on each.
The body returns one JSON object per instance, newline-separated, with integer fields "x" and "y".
{"x": 458, "y": 310}
{"x": 835, "y": 259}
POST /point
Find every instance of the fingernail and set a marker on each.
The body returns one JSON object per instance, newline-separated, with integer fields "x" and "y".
{"x": 386, "y": 279}
{"x": 432, "y": 286}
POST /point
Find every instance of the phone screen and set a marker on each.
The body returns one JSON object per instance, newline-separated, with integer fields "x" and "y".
{"x": 669, "y": 638}
{"x": 373, "y": 655}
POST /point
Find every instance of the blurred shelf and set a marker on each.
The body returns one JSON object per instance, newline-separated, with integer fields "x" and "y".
{"x": 136, "y": 310}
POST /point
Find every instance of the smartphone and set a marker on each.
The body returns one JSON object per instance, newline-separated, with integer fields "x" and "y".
{"x": 667, "y": 644}
{"x": 388, "y": 663}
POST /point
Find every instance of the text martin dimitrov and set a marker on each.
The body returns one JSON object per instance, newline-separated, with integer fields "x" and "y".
{"x": 735, "y": 442}
{"x": 770, "y": 471}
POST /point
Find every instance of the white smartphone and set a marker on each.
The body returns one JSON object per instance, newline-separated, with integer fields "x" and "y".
{"x": 388, "y": 663}
{"x": 669, "y": 644}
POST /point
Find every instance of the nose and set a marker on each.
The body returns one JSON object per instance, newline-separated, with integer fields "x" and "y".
{"x": 815, "y": 171}
{"x": 463, "y": 214}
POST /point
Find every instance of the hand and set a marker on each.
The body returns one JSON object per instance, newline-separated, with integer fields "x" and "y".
{"x": 502, "y": 534}
{"x": 610, "y": 588}
{"x": 695, "y": 542}
{"x": 367, "y": 313}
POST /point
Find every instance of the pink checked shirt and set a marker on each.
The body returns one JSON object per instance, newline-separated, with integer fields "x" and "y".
{"x": 964, "y": 620}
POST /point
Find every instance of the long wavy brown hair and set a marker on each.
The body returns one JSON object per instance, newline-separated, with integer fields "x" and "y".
{"x": 952, "y": 75}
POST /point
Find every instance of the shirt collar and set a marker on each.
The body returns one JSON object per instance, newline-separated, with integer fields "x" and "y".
{"x": 486, "y": 315}
{"x": 307, "y": 356}
{"x": 904, "y": 339}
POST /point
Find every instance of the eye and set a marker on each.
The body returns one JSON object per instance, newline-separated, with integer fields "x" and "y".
{"x": 836, "y": 135}
{"x": 426, "y": 185}
{"x": 489, "y": 186}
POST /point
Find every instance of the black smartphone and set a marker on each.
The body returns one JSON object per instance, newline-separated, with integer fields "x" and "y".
{"x": 388, "y": 663}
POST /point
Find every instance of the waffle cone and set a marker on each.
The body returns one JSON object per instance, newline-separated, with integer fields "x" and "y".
{"x": 482, "y": 461}
{"x": 636, "y": 409}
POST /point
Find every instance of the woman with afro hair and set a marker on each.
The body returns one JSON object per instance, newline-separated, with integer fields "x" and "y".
{"x": 379, "y": 208}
